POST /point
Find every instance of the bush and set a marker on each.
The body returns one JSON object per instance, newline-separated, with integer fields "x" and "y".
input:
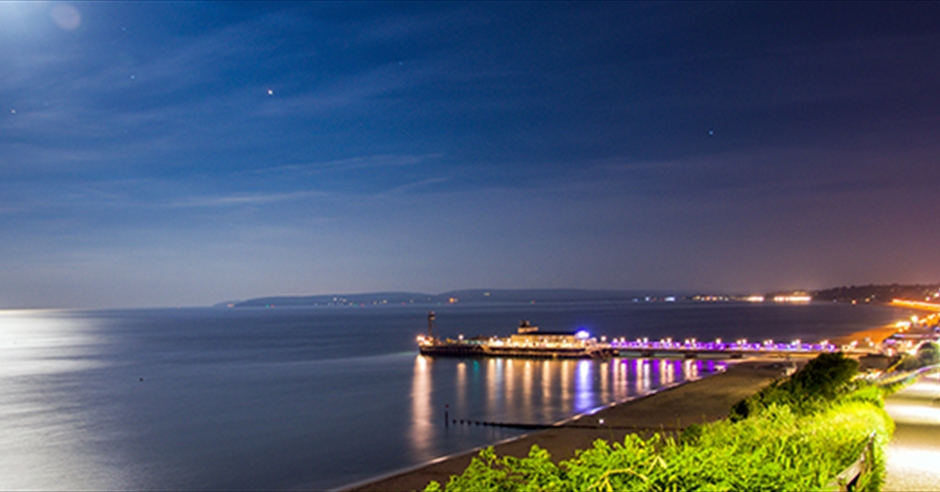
{"x": 810, "y": 390}
{"x": 928, "y": 354}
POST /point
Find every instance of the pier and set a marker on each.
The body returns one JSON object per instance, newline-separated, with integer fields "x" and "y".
{"x": 591, "y": 348}
{"x": 530, "y": 342}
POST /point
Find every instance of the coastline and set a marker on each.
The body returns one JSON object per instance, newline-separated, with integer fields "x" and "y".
{"x": 703, "y": 400}
{"x": 669, "y": 409}
{"x": 359, "y": 485}
{"x": 874, "y": 335}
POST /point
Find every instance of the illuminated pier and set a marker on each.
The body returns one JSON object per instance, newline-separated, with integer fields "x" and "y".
{"x": 529, "y": 342}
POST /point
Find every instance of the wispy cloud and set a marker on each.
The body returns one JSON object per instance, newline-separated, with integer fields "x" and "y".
{"x": 184, "y": 98}
{"x": 242, "y": 199}
{"x": 340, "y": 165}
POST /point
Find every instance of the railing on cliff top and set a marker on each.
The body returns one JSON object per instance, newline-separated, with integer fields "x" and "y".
{"x": 906, "y": 377}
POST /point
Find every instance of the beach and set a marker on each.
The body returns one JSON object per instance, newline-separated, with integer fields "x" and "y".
{"x": 875, "y": 336}
{"x": 672, "y": 409}
{"x": 703, "y": 400}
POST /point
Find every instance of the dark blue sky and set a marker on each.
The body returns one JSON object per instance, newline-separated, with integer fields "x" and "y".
{"x": 186, "y": 153}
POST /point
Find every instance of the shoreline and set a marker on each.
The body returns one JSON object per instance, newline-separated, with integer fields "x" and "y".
{"x": 363, "y": 484}
{"x": 704, "y": 399}
{"x": 875, "y": 335}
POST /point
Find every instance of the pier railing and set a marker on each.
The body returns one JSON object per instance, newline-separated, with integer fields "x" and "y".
{"x": 741, "y": 347}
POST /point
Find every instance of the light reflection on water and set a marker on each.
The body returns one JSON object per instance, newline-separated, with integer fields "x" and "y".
{"x": 421, "y": 408}
{"x": 40, "y": 342}
{"x": 583, "y": 391}
{"x": 45, "y": 431}
{"x": 528, "y": 391}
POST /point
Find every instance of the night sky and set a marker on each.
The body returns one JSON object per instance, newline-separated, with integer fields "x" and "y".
{"x": 163, "y": 154}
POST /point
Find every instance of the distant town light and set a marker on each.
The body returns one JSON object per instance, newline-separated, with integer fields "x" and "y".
{"x": 793, "y": 299}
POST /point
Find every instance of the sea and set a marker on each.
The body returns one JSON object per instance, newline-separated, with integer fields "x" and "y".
{"x": 320, "y": 398}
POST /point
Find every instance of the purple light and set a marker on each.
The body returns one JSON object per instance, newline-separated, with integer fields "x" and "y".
{"x": 582, "y": 335}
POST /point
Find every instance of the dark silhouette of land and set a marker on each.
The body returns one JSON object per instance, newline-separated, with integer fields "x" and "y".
{"x": 461, "y": 296}
{"x": 877, "y": 294}
{"x": 868, "y": 294}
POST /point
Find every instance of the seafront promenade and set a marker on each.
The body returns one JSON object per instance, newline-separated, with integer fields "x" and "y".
{"x": 914, "y": 451}
{"x": 698, "y": 401}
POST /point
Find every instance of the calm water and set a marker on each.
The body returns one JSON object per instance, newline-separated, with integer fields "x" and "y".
{"x": 317, "y": 398}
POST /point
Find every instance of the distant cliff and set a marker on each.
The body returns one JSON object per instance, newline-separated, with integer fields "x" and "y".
{"x": 457, "y": 296}
{"x": 873, "y": 294}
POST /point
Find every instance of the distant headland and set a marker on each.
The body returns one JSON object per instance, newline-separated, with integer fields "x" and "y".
{"x": 453, "y": 297}
{"x": 879, "y": 293}
{"x": 868, "y": 294}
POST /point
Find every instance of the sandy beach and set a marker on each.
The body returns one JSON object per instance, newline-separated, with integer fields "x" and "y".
{"x": 699, "y": 401}
{"x": 874, "y": 335}
{"x": 877, "y": 335}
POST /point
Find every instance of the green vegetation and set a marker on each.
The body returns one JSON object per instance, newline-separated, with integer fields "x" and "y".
{"x": 911, "y": 367}
{"x": 813, "y": 389}
{"x": 928, "y": 354}
{"x": 794, "y": 435}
